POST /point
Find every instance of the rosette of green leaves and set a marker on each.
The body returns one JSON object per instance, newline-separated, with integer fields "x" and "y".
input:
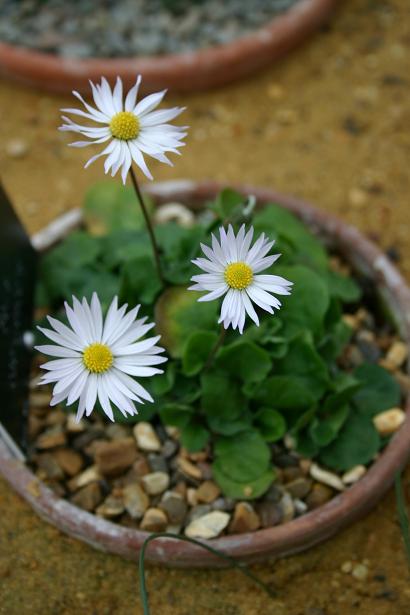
{"x": 281, "y": 377}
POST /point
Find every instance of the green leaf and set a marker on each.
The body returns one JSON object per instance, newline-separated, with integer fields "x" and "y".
{"x": 305, "y": 365}
{"x": 271, "y": 424}
{"x": 175, "y": 414}
{"x": 64, "y": 269}
{"x": 323, "y": 430}
{"x": 379, "y": 390}
{"x": 122, "y": 246}
{"x": 293, "y": 239}
{"x": 285, "y": 392}
{"x": 344, "y": 387}
{"x": 244, "y": 456}
{"x": 194, "y": 436}
{"x": 178, "y": 314}
{"x": 242, "y": 490}
{"x": 334, "y": 341}
{"x": 109, "y": 206}
{"x": 220, "y": 396}
{"x": 139, "y": 281}
{"x": 342, "y": 287}
{"x": 245, "y": 360}
{"x": 357, "y": 443}
{"x": 305, "y": 446}
{"x": 196, "y": 351}
{"x": 105, "y": 284}
{"x": 306, "y": 307}
{"x": 228, "y": 203}
{"x": 179, "y": 246}
{"x": 220, "y": 425}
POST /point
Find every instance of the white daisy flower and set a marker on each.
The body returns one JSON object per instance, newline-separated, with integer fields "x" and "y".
{"x": 97, "y": 358}
{"x": 132, "y": 129}
{"x": 232, "y": 269}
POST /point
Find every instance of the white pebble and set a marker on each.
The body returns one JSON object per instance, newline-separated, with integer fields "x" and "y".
{"x": 174, "y": 212}
{"x": 353, "y": 475}
{"x": 147, "y": 439}
{"x": 208, "y": 526}
{"x": 326, "y": 478}
{"x": 389, "y": 421}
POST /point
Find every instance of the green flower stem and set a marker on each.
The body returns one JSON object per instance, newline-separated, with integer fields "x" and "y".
{"x": 234, "y": 563}
{"x": 218, "y": 344}
{"x": 148, "y": 222}
{"x": 402, "y": 513}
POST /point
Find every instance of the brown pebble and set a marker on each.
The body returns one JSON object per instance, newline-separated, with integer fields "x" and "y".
{"x": 244, "y": 519}
{"x": 188, "y": 468}
{"x": 320, "y": 494}
{"x": 207, "y": 492}
{"x": 111, "y": 507}
{"x": 70, "y": 461}
{"x": 51, "y": 438}
{"x": 48, "y": 467}
{"x": 88, "y": 497}
{"x": 113, "y": 458}
{"x": 154, "y": 520}
{"x": 136, "y": 500}
{"x": 270, "y": 513}
{"x": 89, "y": 475}
{"x": 174, "y": 505}
{"x": 299, "y": 488}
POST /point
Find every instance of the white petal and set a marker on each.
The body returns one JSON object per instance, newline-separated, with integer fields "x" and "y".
{"x": 149, "y": 103}
{"x": 160, "y": 117}
{"x": 117, "y": 95}
{"x": 132, "y": 95}
{"x": 58, "y": 351}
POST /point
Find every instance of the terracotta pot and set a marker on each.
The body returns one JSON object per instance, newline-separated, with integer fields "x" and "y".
{"x": 299, "y": 534}
{"x": 196, "y": 70}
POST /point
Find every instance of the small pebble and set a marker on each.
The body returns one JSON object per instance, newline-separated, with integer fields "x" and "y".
{"x": 396, "y": 356}
{"x": 188, "y": 468}
{"x": 360, "y": 572}
{"x": 17, "y": 148}
{"x": 174, "y": 505}
{"x": 389, "y": 421}
{"x": 326, "y": 477}
{"x": 354, "y": 474}
{"x": 208, "y": 526}
{"x": 154, "y": 520}
{"x": 244, "y": 519}
{"x": 147, "y": 439}
{"x": 155, "y": 483}
{"x": 207, "y": 492}
{"x": 111, "y": 507}
{"x": 346, "y": 567}
{"x": 136, "y": 500}
{"x": 175, "y": 212}
{"x": 89, "y": 475}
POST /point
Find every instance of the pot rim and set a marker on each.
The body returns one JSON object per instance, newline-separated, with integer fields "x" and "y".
{"x": 293, "y": 536}
{"x": 190, "y": 71}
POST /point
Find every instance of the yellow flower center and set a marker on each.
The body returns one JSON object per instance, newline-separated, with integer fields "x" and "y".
{"x": 125, "y": 126}
{"x": 238, "y": 275}
{"x": 97, "y": 358}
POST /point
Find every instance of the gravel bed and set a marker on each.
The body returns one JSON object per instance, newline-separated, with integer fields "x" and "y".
{"x": 141, "y": 477}
{"x": 131, "y": 27}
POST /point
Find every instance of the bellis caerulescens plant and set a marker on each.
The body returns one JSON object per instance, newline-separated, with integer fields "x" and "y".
{"x": 273, "y": 365}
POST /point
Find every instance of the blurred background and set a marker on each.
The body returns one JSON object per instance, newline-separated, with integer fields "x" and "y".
{"x": 328, "y": 123}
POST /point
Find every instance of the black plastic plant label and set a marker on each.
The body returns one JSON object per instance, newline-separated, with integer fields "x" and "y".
{"x": 17, "y": 283}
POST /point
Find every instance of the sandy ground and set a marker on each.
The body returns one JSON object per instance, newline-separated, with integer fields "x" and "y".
{"x": 329, "y": 124}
